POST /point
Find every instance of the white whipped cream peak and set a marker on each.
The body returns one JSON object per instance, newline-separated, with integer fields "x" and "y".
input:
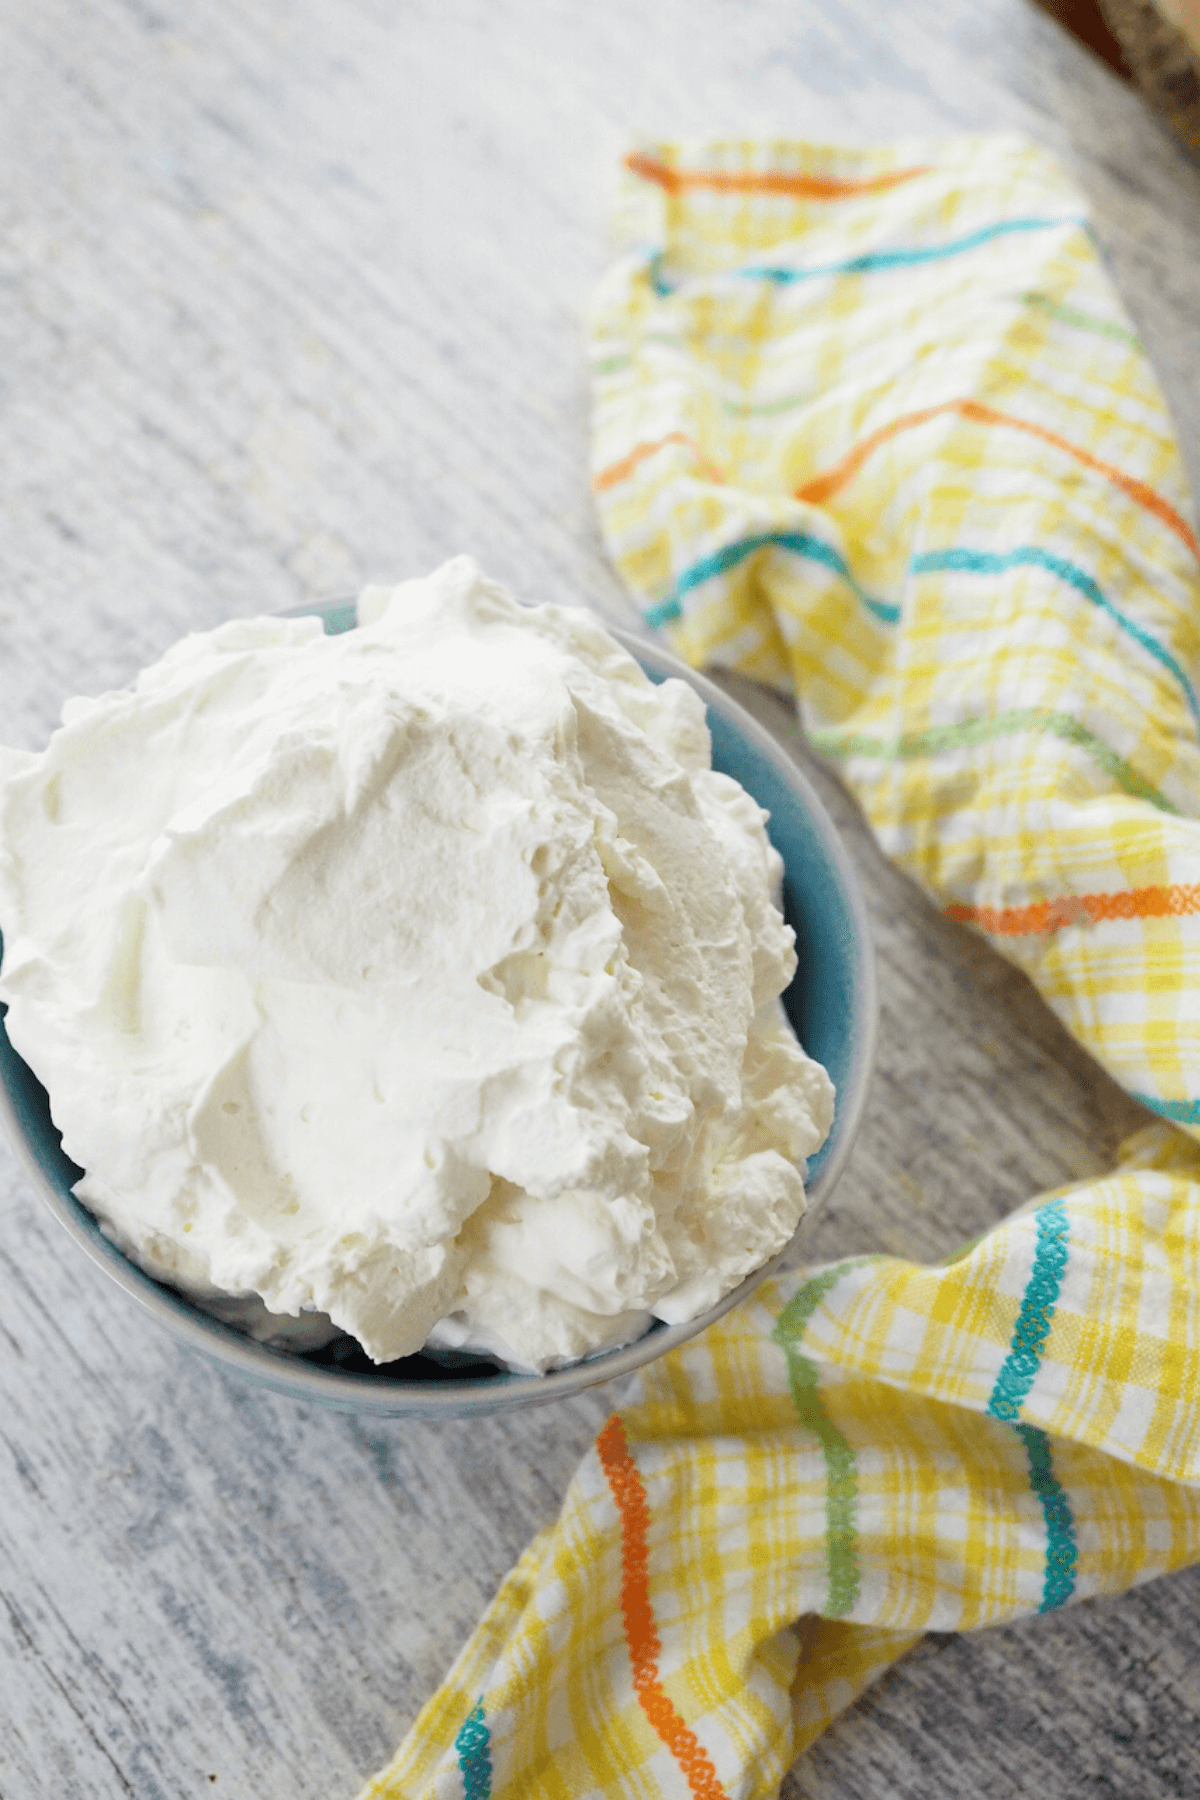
{"x": 425, "y": 976}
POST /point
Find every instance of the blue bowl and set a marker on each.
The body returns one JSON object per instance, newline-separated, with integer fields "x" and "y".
{"x": 831, "y": 1003}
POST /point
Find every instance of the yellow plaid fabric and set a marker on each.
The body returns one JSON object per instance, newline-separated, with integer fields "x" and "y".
{"x": 786, "y": 1503}
{"x": 886, "y": 435}
{"x": 873, "y": 425}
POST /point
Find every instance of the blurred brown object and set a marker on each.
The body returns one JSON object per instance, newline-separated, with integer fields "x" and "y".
{"x": 1164, "y": 59}
{"x": 1085, "y": 20}
{"x": 1153, "y": 43}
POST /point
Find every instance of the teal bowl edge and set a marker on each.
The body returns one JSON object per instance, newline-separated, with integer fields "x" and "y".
{"x": 829, "y": 917}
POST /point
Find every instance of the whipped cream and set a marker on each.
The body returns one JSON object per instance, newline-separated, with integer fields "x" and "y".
{"x": 424, "y": 976}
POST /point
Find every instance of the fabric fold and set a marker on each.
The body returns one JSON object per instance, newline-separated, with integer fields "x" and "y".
{"x": 872, "y": 426}
{"x": 785, "y": 1504}
{"x": 885, "y": 435}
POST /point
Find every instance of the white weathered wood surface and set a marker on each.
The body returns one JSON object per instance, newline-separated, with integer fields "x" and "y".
{"x": 291, "y": 297}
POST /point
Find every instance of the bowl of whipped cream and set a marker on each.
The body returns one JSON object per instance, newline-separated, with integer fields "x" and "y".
{"x": 428, "y": 1004}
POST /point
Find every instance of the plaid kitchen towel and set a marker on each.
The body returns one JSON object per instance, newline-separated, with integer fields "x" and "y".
{"x": 873, "y": 426}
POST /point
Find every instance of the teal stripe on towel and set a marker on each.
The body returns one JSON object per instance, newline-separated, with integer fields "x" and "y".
{"x": 1059, "y": 1582}
{"x": 784, "y": 274}
{"x": 473, "y": 1747}
{"x": 1184, "y": 1112}
{"x": 987, "y": 562}
{"x": 1012, "y": 1388}
{"x": 1037, "y": 1309}
{"x": 905, "y": 259}
{"x": 730, "y": 555}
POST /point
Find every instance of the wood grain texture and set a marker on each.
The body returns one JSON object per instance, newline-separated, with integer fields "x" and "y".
{"x": 292, "y": 297}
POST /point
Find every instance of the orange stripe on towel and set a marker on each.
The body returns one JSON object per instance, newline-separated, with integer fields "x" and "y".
{"x": 771, "y": 181}
{"x": 823, "y": 487}
{"x": 638, "y": 1614}
{"x": 621, "y": 471}
{"x": 1044, "y": 916}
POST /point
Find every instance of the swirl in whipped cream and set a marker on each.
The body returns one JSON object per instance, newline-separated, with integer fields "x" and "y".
{"x": 424, "y": 976}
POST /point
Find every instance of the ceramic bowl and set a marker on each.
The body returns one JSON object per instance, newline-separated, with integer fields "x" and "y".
{"x": 831, "y": 1003}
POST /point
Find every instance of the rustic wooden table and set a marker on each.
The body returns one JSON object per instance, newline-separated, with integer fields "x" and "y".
{"x": 292, "y": 298}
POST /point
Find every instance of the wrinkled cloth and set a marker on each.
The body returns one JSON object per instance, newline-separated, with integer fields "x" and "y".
{"x": 872, "y": 426}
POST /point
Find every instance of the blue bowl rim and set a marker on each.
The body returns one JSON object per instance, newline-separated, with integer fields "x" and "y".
{"x": 389, "y": 1396}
